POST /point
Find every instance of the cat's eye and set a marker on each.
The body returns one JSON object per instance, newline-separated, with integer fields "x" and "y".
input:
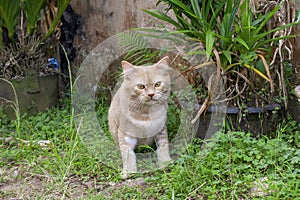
{"x": 157, "y": 84}
{"x": 141, "y": 86}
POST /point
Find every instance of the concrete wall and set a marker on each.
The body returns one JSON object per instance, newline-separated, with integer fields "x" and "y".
{"x": 104, "y": 18}
{"x": 101, "y": 19}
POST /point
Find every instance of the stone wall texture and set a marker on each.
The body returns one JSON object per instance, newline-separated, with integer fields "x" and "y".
{"x": 101, "y": 19}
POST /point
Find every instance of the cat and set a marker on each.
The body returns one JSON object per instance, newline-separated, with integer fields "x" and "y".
{"x": 138, "y": 112}
{"x": 297, "y": 92}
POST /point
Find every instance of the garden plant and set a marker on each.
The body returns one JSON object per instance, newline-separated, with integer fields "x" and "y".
{"x": 248, "y": 42}
{"x": 27, "y": 35}
{"x": 44, "y": 157}
{"x": 29, "y": 44}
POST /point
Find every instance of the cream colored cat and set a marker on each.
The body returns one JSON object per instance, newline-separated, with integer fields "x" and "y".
{"x": 138, "y": 112}
{"x": 297, "y": 92}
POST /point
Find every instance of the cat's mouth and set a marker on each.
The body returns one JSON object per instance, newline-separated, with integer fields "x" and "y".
{"x": 151, "y": 101}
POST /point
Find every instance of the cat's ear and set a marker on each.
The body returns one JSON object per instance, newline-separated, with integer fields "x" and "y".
{"x": 163, "y": 65}
{"x": 164, "y": 61}
{"x": 128, "y": 69}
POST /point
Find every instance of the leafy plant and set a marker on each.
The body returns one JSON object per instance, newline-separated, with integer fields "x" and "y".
{"x": 61, "y": 5}
{"x": 23, "y": 46}
{"x": 238, "y": 40}
{"x": 201, "y": 22}
{"x": 137, "y": 50}
{"x": 9, "y": 12}
{"x": 223, "y": 167}
{"x": 32, "y": 10}
{"x": 20, "y": 56}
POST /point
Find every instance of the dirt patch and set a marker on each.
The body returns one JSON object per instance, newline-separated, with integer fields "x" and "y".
{"x": 18, "y": 183}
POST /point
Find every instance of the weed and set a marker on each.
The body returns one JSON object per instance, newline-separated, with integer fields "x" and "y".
{"x": 14, "y": 105}
{"x": 224, "y": 167}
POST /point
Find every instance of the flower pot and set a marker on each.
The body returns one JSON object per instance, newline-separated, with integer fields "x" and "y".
{"x": 256, "y": 120}
{"x": 34, "y": 94}
{"x": 294, "y": 108}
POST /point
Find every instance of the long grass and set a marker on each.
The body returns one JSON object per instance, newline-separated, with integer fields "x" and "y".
{"x": 227, "y": 168}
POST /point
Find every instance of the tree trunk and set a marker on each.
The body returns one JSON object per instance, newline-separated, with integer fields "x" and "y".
{"x": 293, "y": 103}
{"x": 296, "y": 54}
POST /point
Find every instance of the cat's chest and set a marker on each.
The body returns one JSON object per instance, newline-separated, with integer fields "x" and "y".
{"x": 145, "y": 125}
{"x": 148, "y": 121}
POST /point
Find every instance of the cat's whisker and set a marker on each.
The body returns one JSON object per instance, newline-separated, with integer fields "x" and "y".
{"x": 139, "y": 106}
{"x": 136, "y": 105}
{"x": 163, "y": 99}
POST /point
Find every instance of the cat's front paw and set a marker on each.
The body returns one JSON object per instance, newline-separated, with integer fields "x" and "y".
{"x": 128, "y": 174}
{"x": 164, "y": 164}
{"x": 124, "y": 175}
{"x": 163, "y": 158}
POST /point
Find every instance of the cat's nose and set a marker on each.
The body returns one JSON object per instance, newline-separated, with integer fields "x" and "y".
{"x": 151, "y": 95}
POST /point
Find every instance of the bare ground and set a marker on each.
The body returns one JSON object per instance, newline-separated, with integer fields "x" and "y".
{"x": 19, "y": 183}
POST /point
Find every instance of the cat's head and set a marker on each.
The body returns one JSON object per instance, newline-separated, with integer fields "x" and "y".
{"x": 147, "y": 84}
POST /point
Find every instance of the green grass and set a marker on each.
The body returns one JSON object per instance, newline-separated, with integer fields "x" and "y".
{"x": 223, "y": 168}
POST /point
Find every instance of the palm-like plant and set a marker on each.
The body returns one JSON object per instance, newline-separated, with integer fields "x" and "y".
{"x": 12, "y": 10}
{"x": 237, "y": 39}
{"x": 23, "y": 41}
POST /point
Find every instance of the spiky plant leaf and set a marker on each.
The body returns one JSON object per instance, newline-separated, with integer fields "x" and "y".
{"x": 9, "y": 13}
{"x": 32, "y": 11}
{"x": 62, "y": 6}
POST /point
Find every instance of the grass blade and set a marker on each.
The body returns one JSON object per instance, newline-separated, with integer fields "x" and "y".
{"x": 209, "y": 43}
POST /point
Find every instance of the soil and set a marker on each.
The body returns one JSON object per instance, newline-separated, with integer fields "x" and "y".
{"x": 19, "y": 182}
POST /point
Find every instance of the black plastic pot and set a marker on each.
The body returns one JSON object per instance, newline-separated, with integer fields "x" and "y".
{"x": 256, "y": 120}
{"x": 294, "y": 108}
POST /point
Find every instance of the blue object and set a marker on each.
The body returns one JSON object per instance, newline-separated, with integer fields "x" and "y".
{"x": 52, "y": 62}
